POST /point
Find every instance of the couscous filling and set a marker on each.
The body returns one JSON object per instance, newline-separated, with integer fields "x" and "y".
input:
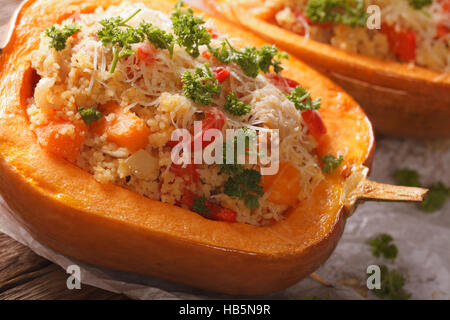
{"x": 116, "y": 83}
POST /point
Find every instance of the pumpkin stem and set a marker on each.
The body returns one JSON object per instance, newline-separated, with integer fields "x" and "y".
{"x": 358, "y": 187}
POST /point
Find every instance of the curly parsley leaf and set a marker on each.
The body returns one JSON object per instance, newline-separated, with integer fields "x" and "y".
{"x": 331, "y": 163}
{"x": 392, "y": 284}
{"x": 407, "y": 177}
{"x": 158, "y": 37}
{"x": 245, "y": 186}
{"x": 349, "y": 12}
{"x": 382, "y": 246}
{"x": 235, "y": 106}
{"x": 59, "y": 36}
{"x": 435, "y": 198}
{"x": 200, "y": 86}
{"x": 120, "y": 36}
{"x": 230, "y": 148}
{"x": 200, "y": 207}
{"x": 251, "y": 60}
{"x": 302, "y": 99}
{"x": 89, "y": 115}
{"x": 419, "y": 4}
{"x": 189, "y": 30}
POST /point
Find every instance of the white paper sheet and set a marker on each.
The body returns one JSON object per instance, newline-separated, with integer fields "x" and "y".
{"x": 423, "y": 241}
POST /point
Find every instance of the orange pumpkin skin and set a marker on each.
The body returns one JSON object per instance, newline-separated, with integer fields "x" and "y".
{"x": 400, "y": 100}
{"x": 66, "y": 209}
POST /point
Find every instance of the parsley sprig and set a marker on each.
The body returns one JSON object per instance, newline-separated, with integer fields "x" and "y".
{"x": 251, "y": 60}
{"x": 200, "y": 207}
{"x": 59, "y": 36}
{"x": 158, "y": 37}
{"x": 392, "y": 284}
{"x": 302, "y": 99}
{"x": 200, "y": 86}
{"x": 437, "y": 195}
{"x": 189, "y": 29}
{"x": 419, "y": 4}
{"x": 382, "y": 245}
{"x": 349, "y": 12}
{"x": 230, "y": 147}
{"x": 89, "y": 115}
{"x": 407, "y": 177}
{"x": 246, "y": 186}
{"x": 117, "y": 34}
{"x": 235, "y": 106}
{"x": 331, "y": 163}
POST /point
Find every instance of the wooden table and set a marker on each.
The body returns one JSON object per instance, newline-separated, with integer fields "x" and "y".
{"x": 23, "y": 274}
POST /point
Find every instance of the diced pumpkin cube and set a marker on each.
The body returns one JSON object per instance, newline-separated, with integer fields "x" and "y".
{"x": 124, "y": 129}
{"x": 63, "y": 139}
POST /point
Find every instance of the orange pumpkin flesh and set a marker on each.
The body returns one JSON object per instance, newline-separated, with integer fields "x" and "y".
{"x": 66, "y": 209}
{"x": 399, "y": 99}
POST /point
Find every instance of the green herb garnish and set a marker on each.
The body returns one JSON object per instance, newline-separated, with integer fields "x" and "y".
{"x": 245, "y": 186}
{"x": 59, "y": 36}
{"x": 250, "y": 140}
{"x": 235, "y": 106}
{"x": 382, "y": 246}
{"x": 200, "y": 207}
{"x": 251, "y": 60}
{"x": 200, "y": 86}
{"x": 158, "y": 37}
{"x": 89, "y": 115}
{"x": 435, "y": 198}
{"x": 419, "y": 4}
{"x": 349, "y": 12}
{"x": 189, "y": 30}
{"x": 331, "y": 163}
{"x": 120, "y": 36}
{"x": 391, "y": 285}
{"x": 302, "y": 99}
{"x": 407, "y": 177}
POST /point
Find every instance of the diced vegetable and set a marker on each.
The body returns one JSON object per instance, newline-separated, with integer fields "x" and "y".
{"x": 63, "y": 139}
{"x": 283, "y": 187}
{"x": 213, "y": 33}
{"x": 284, "y": 84}
{"x": 214, "y": 119}
{"x": 443, "y": 28}
{"x": 145, "y": 52}
{"x": 316, "y": 127}
{"x": 221, "y": 74}
{"x": 214, "y": 211}
{"x": 221, "y": 214}
{"x": 188, "y": 173}
{"x": 402, "y": 43}
{"x": 125, "y": 129}
{"x": 143, "y": 165}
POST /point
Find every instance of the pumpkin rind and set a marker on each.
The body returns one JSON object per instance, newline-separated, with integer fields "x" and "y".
{"x": 66, "y": 209}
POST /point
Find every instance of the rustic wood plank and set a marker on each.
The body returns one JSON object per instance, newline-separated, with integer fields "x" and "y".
{"x": 25, "y": 275}
{"x": 50, "y": 283}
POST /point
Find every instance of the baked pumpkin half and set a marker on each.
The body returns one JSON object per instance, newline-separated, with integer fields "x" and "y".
{"x": 398, "y": 72}
{"x": 91, "y": 94}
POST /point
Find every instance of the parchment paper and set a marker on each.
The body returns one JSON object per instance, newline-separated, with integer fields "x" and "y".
{"x": 423, "y": 241}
